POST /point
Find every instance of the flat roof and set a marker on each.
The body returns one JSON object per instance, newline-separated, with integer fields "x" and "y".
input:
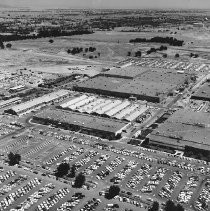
{"x": 190, "y": 117}
{"x": 184, "y": 127}
{"x": 146, "y": 88}
{"x": 163, "y": 77}
{"x": 39, "y": 100}
{"x": 203, "y": 92}
{"x": 103, "y": 83}
{"x": 83, "y": 120}
{"x": 129, "y": 71}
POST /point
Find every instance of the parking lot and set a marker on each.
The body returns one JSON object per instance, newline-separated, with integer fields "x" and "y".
{"x": 189, "y": 67}
{"x": 146, "y": 172}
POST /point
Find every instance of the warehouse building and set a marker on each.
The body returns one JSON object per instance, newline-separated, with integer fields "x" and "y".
{"x": 73, "y": 101}
{"x": 38, "y": 102}
{"x": 105, "y": 107}
{"x": 151, "y": 86}
{"x": 93, "y": 125}
{"x": 183, "y": 129}
{"x": 17, "y": 88}
{"x": 203, "y": 93}
{"x": 128, "y": 72}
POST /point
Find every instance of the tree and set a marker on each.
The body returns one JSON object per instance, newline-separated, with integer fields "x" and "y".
{"x": 179, "y": 207}
{"x": 72, "y": 172}
{"x": 79, "y": 180}
{"x": 1, "y": 45}
{"x": 165, "y": 55}
{"x": 51, "y": 41}
{"x": 113, "y": 191}
{"x": 191, "y": 54}
{"x": 155, "y": 206}
{"x": 62, "y": 170}
{"x": 170, "y": 206}
{"x": 138, "y": 54}
{"x": 8, "y": 45}
{"x": 14, "y": 159}
{"x": 129, "y": 53}
{"x": 176, "y": 55}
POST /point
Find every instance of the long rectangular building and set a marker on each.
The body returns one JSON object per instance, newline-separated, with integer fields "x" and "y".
{"x": 9, "y": 102}
{"x": 104, "y": 127}
{"x": 183, "y": 129}
{"x": 151, "y": 86}
{"x": 32, "y": 104}
{"x": 118, "y": 108}
{"x": 73, "y": 101}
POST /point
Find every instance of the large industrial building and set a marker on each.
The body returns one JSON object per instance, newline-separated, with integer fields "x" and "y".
{"x": 106, "y": 107}
{"x": 183, "y": 129}
{"x": 37, "y": 102}
{"x": 203, "y": 93}
{"x": 128, "y": 72}
{"x": 102, "y": 127}
{"x": 151, "y": 86}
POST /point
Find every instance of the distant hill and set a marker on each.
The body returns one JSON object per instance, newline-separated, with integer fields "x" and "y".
{"x": 5, "y": 6}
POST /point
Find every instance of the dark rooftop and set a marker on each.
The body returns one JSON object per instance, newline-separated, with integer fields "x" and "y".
{"x": 184, "y": 127}
{"x": 203, "y": 92}
{"x": 82, "y": 120}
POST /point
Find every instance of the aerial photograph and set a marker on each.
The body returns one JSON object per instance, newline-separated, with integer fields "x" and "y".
{"x": 105, "y": 105}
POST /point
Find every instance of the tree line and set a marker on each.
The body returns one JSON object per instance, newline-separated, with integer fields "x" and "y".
{"x": 168, "y": 40}
{"x": 42, "y": 34}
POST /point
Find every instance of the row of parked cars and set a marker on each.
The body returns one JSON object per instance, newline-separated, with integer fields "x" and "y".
{"x": 71, "y": 203}
{"x": 7, "y": 175}
{"x": 13, "y": 184}
{"x": 188, "y": 190}
{"x": 110, "y": 167}
{"x": 129, "y": 200}
{"x": 12, "y": 197}
{"x": 91, "y": 205}
{"x": 202, "y": 203}
{"x": 111, "y": 207}
{"x": 34, "y": 198}
{"x": 59, "y": 155}
{"x": 171, "y": 65}
{"x": 138, "y": 154}
{"x": 87, "y": 158}
{"x": 154, "y": 180}
{"x": 38, "y": 148}
{"x": 96, "y": 164}
{"x": 124, "y": 172}
{"x": 52, "y": 200}
{"x": 73, "y": 156}
{"x": 139, "y": 176}
{"x": 170, "y": 185}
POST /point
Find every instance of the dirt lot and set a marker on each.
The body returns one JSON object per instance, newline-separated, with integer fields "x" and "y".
{"x": 110, "y": 47}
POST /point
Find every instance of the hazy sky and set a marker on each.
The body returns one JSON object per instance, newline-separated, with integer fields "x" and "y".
{"x": 109, "y": 3}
